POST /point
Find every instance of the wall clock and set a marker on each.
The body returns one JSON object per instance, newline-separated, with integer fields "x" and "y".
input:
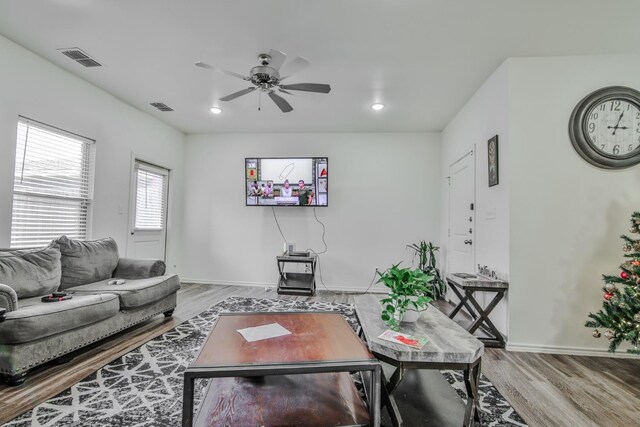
{"x": 605, "y": 127}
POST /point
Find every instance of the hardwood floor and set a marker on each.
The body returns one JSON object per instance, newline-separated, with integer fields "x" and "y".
{"x": 560, "y": 390}
{"x": 547, "y": 390}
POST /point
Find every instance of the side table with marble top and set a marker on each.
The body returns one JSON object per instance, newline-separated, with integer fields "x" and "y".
{"x": 449, "y": 346}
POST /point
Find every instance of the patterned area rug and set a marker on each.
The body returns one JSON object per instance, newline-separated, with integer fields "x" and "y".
{"x": 144, "y": 387}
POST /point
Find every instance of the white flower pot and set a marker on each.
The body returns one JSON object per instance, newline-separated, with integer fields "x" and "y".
{"x": 410, "y": 316}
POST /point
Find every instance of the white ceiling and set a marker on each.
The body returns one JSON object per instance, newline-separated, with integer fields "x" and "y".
{"x": 422, "y": 58}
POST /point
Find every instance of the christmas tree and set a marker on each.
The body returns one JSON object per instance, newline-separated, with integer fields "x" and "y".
{"x": 620, "y": 314}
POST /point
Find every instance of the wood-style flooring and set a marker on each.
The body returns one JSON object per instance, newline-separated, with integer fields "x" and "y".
{"x": 546, "y": 390}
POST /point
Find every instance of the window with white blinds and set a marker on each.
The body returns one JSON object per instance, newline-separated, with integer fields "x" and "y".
{"x": 53, "y": 185}
{"x": 151, "y": 197}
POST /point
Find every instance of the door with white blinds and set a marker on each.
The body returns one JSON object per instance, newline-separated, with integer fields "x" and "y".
{"x": 52, "y": 186}
{"x": 149, "y": 193}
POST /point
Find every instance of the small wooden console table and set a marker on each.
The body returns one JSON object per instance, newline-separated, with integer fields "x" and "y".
{"x": 469, "y": 284}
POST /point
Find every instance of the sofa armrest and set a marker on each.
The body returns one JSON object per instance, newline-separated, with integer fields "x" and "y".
{"x": 8, "y": 298}
{"x": 130, "y": 268}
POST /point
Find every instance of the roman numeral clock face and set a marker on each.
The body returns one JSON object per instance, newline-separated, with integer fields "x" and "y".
{"x": 604, "y": 127}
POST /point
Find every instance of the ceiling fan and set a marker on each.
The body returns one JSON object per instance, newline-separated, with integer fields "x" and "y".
{"x": 266, "y": 78}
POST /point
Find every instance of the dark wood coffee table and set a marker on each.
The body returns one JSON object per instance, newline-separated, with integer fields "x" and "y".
{"x": 297, "y": 379}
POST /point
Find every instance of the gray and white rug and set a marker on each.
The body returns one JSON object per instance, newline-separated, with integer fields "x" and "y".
{"x": 144, "y": 387}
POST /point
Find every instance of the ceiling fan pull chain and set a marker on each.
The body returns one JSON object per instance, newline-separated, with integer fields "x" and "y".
{"x": 259, "y": 99}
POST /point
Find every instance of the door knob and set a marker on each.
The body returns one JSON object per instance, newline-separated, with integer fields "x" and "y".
{"x": 468, "y": 242}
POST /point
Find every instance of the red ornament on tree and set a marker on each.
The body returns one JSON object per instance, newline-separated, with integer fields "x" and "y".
{"x": 608, "y": 295}
{"x": 624, "y": 275}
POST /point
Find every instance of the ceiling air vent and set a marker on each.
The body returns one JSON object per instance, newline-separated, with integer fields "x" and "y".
{"x": 161, "y": 106}
{"x": 80, "y": 57}
{"x": 89, "y": 62}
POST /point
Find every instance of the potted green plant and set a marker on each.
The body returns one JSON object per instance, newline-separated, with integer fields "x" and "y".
{"x": 409, "y": 294}
{"x": 426, "y": 253}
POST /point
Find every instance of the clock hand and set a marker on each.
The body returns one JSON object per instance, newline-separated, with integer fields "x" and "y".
{"x": 615, "y": 128}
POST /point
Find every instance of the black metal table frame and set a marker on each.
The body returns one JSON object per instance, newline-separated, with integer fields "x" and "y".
{"x": 480, "y": 315}
{"x": 282, "y": 260}
{"x": 315, "y": 367}
{"x": 471, "y": 375}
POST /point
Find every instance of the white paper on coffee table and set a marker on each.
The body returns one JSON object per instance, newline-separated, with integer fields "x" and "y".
{"x": 263, "y": 332}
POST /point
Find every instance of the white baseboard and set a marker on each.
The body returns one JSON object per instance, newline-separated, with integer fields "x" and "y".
{"x": 573, "y": 351}
{"x": 228, "y": 282}
{"x": 319, "y": 286}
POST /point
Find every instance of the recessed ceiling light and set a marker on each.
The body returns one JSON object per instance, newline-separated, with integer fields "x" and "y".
{"x": 377, "y": 107}
{"x": 215, "y": 110}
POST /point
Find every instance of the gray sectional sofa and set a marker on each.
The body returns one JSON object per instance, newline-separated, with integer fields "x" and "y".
{"x": 33, "y": 332}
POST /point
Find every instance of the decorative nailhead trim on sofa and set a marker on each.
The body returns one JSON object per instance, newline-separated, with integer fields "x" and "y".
{"x": 79, "y": 346}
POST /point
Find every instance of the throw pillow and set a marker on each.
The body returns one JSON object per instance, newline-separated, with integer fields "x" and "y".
{"x": 86, "y": 261}
{"x": 31, "y": 272}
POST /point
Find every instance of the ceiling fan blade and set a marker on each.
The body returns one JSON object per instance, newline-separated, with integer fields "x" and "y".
{"x": 237, "y": 94}
{"x": 277, "y": 59}
{"x": 203, "y": 65}
{"x": 220, "y": 70}
{"x": 295, "y": 66}
{"x": 308, "y": 87}
{"x": 281, "y": 102}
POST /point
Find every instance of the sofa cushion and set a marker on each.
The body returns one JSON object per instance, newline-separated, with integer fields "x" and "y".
{"x": 86, "y": 261}
{"x": 31, "y": 272}
{"x": 134, "y": 293}
{"x": 35, "y": 319}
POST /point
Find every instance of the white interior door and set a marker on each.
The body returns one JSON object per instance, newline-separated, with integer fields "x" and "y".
{"x": 148, "y": 219}
{"x": 461, "y": 254}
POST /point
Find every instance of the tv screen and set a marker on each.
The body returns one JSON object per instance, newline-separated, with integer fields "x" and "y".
{"x": 280, "y": 181}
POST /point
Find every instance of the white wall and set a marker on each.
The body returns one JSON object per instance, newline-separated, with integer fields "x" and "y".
{"x": 35, "y": 88}
{"x": 484, "y": 115}
{"x": 384, "y": 194}
{"x": 566, "y": 215}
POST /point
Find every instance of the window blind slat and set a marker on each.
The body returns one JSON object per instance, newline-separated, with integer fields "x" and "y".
{"x": 150, "y": 200}
{"x": 52, "y": 185}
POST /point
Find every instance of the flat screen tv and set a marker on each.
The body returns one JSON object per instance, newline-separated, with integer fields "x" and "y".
{"x": 287, "y": 181}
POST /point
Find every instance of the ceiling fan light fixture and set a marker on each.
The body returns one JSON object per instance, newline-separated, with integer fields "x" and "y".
{"x": 377, "y": 106}
{"x": 266, "y": 78}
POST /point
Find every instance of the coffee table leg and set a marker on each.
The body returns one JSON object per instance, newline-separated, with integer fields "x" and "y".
{"x": 187, "y": 401}
{"x": 395, "y": 379}
{"x": 390, "y": 402}
{"x": 472, "y": 382}
{"x": 374, "y": 405}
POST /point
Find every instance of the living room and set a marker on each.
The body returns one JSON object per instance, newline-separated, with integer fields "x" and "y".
{"x": 450, "y": 76}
